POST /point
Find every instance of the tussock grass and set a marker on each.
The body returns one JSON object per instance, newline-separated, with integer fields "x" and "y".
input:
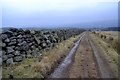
{"x": 111, "y": 37}
{"x": 108, "y": 53}
{"x": 33, "y": 68}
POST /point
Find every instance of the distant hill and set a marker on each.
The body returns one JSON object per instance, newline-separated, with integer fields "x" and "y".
{"x": 112, "y": 29}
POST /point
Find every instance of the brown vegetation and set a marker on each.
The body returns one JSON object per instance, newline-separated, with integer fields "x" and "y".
{"x": 108, "y": 51}
{"x": 111, "y": 38}
{"x": 32, "y": 67}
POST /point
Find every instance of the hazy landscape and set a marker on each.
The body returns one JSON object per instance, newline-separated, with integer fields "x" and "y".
{"x": 70, "y": 39}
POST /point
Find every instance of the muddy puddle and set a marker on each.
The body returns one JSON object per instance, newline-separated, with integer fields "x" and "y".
{"x": 61, "y": 69}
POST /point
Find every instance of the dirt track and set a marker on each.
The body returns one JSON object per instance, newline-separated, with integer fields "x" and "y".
{"x": 86, "y": 63}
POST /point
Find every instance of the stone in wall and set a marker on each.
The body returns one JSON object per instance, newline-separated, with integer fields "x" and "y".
{"x": 18, "y": 44}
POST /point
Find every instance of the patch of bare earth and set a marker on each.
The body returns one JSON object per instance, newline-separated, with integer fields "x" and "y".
{"x": 84, "y": 64}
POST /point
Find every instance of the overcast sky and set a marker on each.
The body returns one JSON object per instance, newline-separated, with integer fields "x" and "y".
{"x": 101, "y": 13}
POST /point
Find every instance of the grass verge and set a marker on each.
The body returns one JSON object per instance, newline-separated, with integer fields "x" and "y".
{"x": 108, "y": 53}
{"x": 110, "y": 37}
{"x": 33, "y": 68}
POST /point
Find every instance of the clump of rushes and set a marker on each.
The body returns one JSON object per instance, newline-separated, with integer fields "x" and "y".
{"x": 94, "y": 32}
{"x": 104, "y": 36}
{"x": 101, "y": 36}
{"x": 111, "y": 38}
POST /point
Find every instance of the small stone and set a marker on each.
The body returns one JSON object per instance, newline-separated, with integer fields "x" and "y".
{"x": 23, "y": 55}
{"x": 37, "y": 40}
{"x": 19, "y": 40}
{"x": 24, "y": 47}
{"x": 30, "y": 44}
{"x": 24, "y": 36}
{"x": 24, "y": 43}
{"x": 37, "y": 49}
{"x": 43, "y": 45}
{"x": 4, "y": 57}
{"x": 9, "y": 50}
{"x": 18, "y": 58}
{"x": 29, "y": 52}
{"x": 9, "y": 61}
{"x": 3, "y": 36}
{"x": 13, "y": 47}
{"x": 32, "y": 32}
{"x": 9, "y": 33}
{"x": 17, "y": 48}
{"x": 33, "y": 47}
{"x": 13, "y": 37}
{"x": 7, "y": 40}
{"x": 10, "y": 55}
{"x": 13, "y": 40}
{"x": 15, "y": 34}
{"x": 12, "y": 43}
{"x": 16, "y": 53}
{"x": 2, "y": 44}
{"x": 35, "y": 53}
{"x": 48, "y": 42}
{"x": 19, "y": 36}
{"x": 45, "y": 37}
{"x": 3, "y": 52}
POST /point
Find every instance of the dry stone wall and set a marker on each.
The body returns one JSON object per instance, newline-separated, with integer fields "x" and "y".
{"x": 18, "y": 44}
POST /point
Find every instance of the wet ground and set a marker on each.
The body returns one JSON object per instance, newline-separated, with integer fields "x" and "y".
{"x": 62, "y": 68}
{"x": 84, "y": 65}
{"x": 83, "y": 61}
